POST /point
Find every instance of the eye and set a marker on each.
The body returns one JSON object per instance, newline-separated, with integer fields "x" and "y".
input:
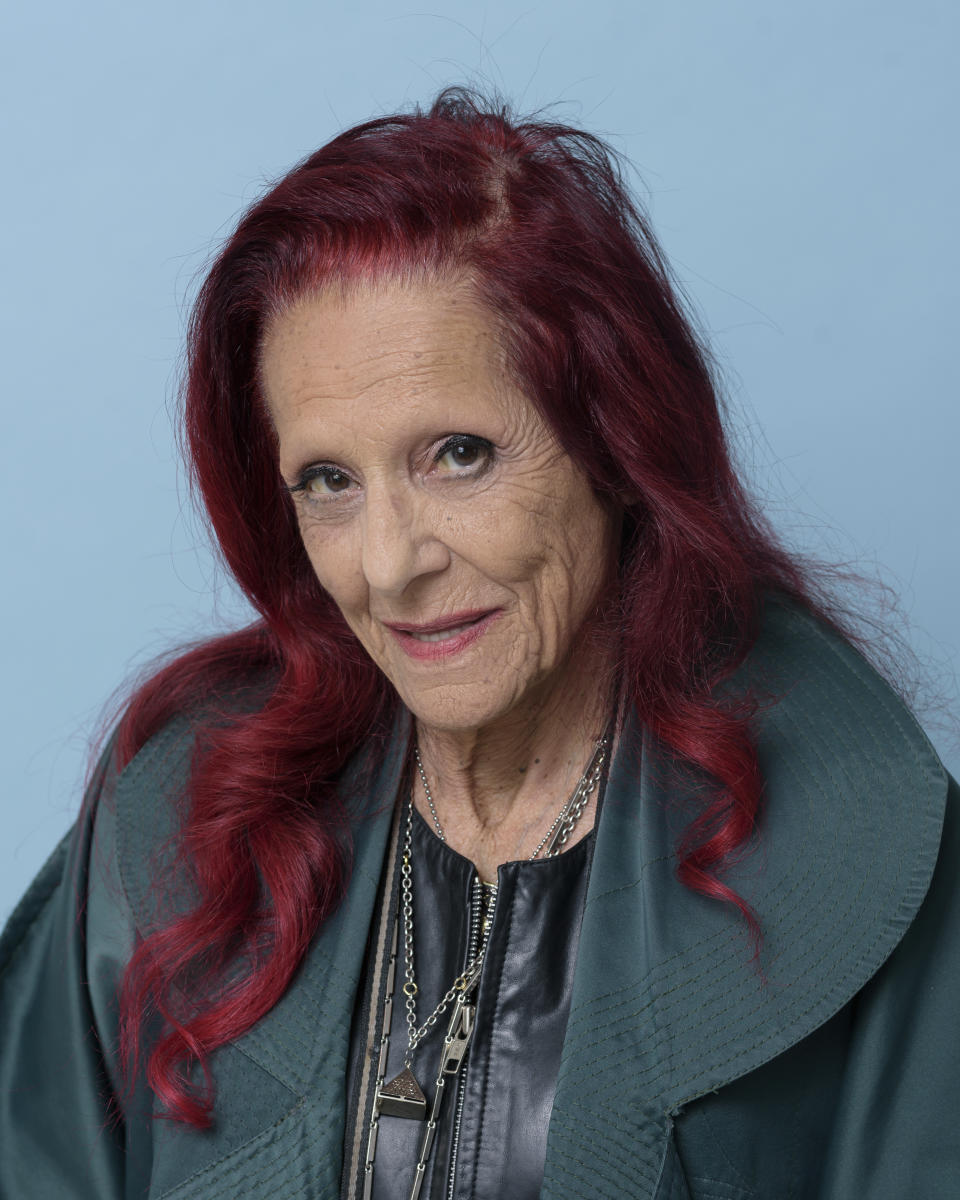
{"x": 321, "y": 481}
{"x": 464, "y": 453}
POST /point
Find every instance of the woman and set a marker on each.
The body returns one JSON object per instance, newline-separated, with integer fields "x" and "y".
{"x": 544, "y": 836}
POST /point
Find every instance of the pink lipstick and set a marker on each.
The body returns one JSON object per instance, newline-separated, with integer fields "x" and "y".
{"x": 444, "y": 638}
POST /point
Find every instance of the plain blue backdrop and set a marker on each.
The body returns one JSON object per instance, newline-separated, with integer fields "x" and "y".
{"x": 800, "y": 165}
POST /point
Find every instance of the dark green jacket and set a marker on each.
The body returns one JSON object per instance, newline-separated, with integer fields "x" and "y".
{"x": 832, "y": 1071}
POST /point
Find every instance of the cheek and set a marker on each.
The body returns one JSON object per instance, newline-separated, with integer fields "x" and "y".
{"x": 505, "y": 542}
{"x": 336, "y": 564}
{"x": 553, "y": 550}
{"x": 578, "y": 558}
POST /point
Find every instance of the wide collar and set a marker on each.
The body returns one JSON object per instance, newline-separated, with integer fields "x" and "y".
{"x": 667, "y": 1004}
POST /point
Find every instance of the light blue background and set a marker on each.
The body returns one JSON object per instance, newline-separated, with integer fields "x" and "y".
{"x": 800, "y": 161}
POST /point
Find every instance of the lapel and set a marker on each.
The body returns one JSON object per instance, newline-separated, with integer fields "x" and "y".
{"x": 667, "y": 1005}
{"x": 281, "y": 1091}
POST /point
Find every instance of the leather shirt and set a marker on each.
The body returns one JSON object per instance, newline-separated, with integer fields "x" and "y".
{"x": 492, "y": 1129}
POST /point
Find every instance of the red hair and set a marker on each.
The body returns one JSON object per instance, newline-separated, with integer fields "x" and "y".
{"x": 537, "y": 217}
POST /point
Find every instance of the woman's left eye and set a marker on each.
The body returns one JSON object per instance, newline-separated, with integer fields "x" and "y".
{"x": 464, "y": 454}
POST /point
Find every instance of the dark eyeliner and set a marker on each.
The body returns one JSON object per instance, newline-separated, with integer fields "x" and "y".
{"x": 310, "y": 473}
{"x": 467, "y": 439}
{"x": 303, "y": 478}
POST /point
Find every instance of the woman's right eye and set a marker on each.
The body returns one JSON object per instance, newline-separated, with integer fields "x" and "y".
{"x": 324, "y": 480}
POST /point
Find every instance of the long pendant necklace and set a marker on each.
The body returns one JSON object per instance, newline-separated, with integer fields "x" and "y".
{"x": 403, "y": 1096}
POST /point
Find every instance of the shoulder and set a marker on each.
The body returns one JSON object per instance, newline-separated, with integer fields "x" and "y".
{"x": 67, "y": 865}
{"x": 129, "y": 814}
{"x": 61, "y": 955}
{"x": 832, "y": 733}
{"x": 810, "y": 671}
{"x": 848, "y": 837}
{"x": 850, "y": 1020}
{"x": 153, "y": 792}
{"x": 855, "y": 795}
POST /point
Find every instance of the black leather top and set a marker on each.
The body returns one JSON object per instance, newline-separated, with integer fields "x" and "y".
{"x": 506, "y": 1087}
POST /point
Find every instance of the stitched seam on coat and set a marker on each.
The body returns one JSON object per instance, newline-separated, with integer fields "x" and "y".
{"x": 226, "y": 1160}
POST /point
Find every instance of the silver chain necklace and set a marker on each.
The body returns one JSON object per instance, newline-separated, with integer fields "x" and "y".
{"x": 565, "y": 819}
{"x": 402, "y": 1096}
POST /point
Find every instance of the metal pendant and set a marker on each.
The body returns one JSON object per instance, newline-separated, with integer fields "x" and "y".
{"x": 402, "y": 1097}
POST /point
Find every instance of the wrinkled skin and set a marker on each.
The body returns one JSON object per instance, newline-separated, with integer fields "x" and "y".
{"x": 403, "y": 525}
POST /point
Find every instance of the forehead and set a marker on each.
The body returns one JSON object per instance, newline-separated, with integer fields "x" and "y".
{"x": 381, "y": 344}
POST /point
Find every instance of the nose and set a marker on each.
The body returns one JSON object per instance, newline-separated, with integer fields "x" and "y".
{"x": 400, "y": 539}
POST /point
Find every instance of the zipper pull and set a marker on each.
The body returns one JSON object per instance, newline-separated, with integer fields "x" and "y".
{"x": 457, "y": 1041}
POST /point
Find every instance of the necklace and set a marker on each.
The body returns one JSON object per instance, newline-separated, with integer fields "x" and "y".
{"x": 402, "y": 1096}
{"x": 559, "y": 832}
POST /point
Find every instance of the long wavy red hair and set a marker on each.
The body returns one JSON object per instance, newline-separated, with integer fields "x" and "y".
{"x": 537, "y": 216}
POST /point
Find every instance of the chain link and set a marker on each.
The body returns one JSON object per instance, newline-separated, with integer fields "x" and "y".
{"x": 575, "y": 807}
{"x": 464, "y": 980}
{"x": 569, "y": 814}
{"x": 557, "y": 836}
{"x": 426, "y": 791}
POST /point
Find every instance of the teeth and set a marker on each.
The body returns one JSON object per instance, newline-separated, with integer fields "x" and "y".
{"x": 444, "y": 635}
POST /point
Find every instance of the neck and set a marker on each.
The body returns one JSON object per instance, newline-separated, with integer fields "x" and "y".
{"x": 498, "y": 789}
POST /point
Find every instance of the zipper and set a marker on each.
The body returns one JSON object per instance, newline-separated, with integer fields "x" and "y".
{"x": 455, "y": 1144}
{"x": 482, "y": 902}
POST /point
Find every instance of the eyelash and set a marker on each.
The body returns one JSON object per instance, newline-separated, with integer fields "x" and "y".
{"x": 308, "y": 474}
{"x": 468, "y": 441}
{"x": 458, "y": 441}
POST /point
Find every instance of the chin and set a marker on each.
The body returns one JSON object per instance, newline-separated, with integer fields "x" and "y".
{"x": 444, "y": 710}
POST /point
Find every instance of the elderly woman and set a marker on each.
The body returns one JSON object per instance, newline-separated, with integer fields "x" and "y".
{"x": 545, "y": 835}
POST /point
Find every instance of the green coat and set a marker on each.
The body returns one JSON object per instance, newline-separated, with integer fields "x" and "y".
{"x": 832, "y": 1071}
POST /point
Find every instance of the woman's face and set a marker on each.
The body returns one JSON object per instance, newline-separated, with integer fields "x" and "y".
{"x": 464, "y": 548}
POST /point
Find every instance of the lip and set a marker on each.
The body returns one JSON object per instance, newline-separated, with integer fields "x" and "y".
{"x": 407, "y": 634}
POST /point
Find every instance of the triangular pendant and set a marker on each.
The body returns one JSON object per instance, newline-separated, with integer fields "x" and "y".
{"x": 402, "y": 1097}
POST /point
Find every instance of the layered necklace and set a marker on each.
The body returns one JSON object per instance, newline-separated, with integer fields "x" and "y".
{"x": 403, "y": 1096}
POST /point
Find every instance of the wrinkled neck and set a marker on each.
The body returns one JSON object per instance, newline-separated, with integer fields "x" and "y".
{"x": 497, "y": 790}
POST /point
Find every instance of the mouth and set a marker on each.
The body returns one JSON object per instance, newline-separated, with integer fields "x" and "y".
{"x": 445, "y": 637}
